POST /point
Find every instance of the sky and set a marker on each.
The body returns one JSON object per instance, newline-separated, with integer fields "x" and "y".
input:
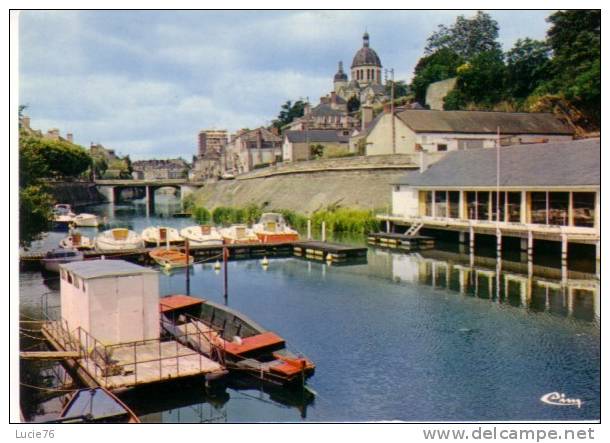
{"x": 146, "y": 82}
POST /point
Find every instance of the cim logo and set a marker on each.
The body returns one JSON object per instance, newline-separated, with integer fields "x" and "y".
{"x": 558, "y": 399}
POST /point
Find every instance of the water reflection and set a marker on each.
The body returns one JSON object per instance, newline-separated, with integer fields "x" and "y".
{"x": 537, "y": 288}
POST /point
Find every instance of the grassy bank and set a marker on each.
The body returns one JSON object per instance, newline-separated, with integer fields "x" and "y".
{"x": 337, "y": 220}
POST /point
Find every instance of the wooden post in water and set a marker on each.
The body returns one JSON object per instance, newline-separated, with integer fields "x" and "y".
{"x": 225, "y": 259}
{"x": 188, "y": 270}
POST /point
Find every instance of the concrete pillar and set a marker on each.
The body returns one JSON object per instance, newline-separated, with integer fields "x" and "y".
{"x": 323, "y": 231}
{"x": 570, "y": 296}
{"x": 498, "y": 243}
{"x": 523, "y": 249}
{"x": 598, "y": 252}
{"x": 433, "y": 203}
{"x": 107, "y": 192}
{"x": 387, "y": 226}
{"x": 564, "y": 259}
{"x": 571, "y": 209}
{"x": 462, "y": 280}
{"x": 530, "y": 253}
{"x": 471, "y": 241}
{"x": 308, "y": 229}
{"x": 150, "y": 200}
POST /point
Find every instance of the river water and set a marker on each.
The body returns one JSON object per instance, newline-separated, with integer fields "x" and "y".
{"x": 415, "y": 337}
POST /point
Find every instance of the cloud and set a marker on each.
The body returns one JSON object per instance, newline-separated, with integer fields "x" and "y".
{"x": 146, "y": 82}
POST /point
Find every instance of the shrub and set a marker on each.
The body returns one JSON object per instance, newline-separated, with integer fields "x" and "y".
{"x": 201, "y": 215}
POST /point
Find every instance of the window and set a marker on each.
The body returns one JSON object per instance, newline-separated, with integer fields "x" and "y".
{"x": 558, "y": 208}
{"x": 454, "y": 204}
{"x": 428, "y": 202}
{"x": 471, "y": 205}
{"x": 483, "y": 205}
{"x": 539, "y": 208}
{"x": 583, "y": 204}
{"x": 514, "y": 206}
{"x": 441, "y": 203}
{"x": 441, "y": 147}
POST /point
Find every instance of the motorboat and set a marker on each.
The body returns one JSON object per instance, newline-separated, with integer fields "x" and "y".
{"x": 77, "y": 241}
{"x": 95, "y": 405}
{"x": 88, "y": 220}
{"x": 226, "y": 335}
{"x": 202, "y": 235}
{"x": 161, "y": 235}
{"x": 239, "y": 234}
{"x": 171, "y": 258}
{"x": 272, "y": 228}
{"x": 62, "y": 209}
{"x": 56, "y": 257}
{"x": 118, "y": 239}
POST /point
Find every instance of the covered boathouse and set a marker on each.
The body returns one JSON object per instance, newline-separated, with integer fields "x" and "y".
{"x": 547, "y": 191}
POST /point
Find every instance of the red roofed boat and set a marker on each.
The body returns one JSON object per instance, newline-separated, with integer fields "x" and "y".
{"x": 232, "y": 339}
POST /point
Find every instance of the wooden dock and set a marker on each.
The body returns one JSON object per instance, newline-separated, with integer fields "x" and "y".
{"x": 401, "y": 241}
{"x": 327, "y": 251}
{"x": 126, "y": 365}
{"x": 314, "y": 249}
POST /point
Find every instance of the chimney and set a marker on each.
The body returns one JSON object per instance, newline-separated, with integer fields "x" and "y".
{"x": 70, "y": 137}
{"x": 366, "y": 115}
{"x": 423, "y": 161}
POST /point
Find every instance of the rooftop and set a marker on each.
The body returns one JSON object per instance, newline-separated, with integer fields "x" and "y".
{"x": 316, "y": 135}
{"x": 483, "y": 122}
{"x": 570, "y": 163}
{"x": 105, "y": 268}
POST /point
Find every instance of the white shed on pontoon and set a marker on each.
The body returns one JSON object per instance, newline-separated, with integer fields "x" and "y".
{"x": 113, "y": 300}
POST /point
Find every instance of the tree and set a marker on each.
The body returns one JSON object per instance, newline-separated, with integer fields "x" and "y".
{"x": 480, "y": 82}
{"x": 353, "y": 104}
{"x": 316, "y": 151}
{"x": 467, "y": 37}
{"x": 527, "y": 67}
{"x": 288, "y": 113}
{"x": 401, "y": 89}
{"x": 575, "y": 37}
{"x": 440, "y": 65}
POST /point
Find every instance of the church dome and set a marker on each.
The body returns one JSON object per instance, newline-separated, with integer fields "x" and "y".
{"x": 340, "y": 76}
{"x": 366, "y": 56}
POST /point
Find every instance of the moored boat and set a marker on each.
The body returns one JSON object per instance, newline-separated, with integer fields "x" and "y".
{"x": 222, "y": 333}
{"x": 171, "y": 258}
{"x": 203, "y": 235}
{"x": 96, "y": 405}
{"x": 77, "y": 241}
{"x": 118, "y": 239}
{"x": 56, "y": 257}
{"x": 89, "y": 220}
{"x": 161, "y": 235}
{"x": 272, "y": 228}
{"x": 238, "y": 234}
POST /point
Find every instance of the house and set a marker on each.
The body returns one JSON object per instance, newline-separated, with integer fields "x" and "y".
{"x": 297, "y": 144}
{"x": 160, "y": 169}
{"x": 331, "y": 113}
{"x": 416, "y": 130}
{"x": 548, "y": 191}
{"x": 250, "y": 149}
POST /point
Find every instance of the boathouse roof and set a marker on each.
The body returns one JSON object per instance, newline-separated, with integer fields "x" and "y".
{"x": 483, "y": 122}
{"x": 568, "y": 163}
{"x": 105, "y": 268}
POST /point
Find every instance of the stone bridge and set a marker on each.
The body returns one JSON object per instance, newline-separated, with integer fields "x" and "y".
{"x": 111, "y": 189}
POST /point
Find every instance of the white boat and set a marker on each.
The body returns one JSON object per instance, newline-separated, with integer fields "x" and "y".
{"x": 272, "y": 228}
{"x": 239, "y": 234}
{"x": 89, "y": 220}
{"x": 62, "y": 209}
{"x": 77, "y": 241}
{"x": 118, "y": 239}
{"x": 160, "y": 235}
{"x": 56, "y": 257}
{"x": 202, "y": 235}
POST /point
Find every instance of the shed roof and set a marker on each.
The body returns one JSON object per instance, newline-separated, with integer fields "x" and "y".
{"x": 483, "y": 122}
{"x": 89, "y": 269}
{"x": 570, "y": 163}
{"x": 316, "y": 135}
